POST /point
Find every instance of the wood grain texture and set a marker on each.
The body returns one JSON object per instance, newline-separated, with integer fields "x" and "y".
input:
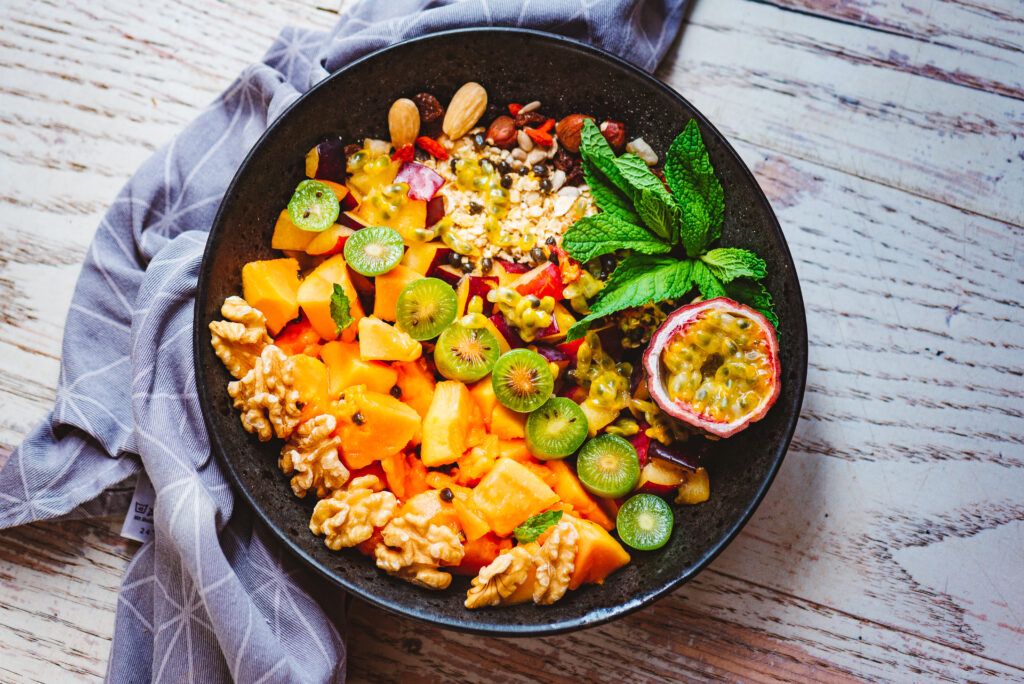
{"x": 889, "y": 138}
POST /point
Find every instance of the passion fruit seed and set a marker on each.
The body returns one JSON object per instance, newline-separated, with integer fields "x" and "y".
{"x": 528, "y": 315}
{"x": 717, "y": 367}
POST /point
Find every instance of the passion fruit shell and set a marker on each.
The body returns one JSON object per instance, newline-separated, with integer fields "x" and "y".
{"x": 714, "y": 365}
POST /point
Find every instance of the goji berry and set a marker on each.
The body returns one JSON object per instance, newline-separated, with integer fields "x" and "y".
{"x": 431, "y": 147}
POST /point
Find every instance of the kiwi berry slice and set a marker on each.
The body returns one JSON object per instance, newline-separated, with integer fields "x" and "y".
{"x": 522, "y": 380}
{"x": 314, "y": 206}
{"x": 644, "y": 522}
{"x": 608, "y": 466}
{"x": 465, "y": 354}
{"x": 374, "y": 250}
{"x": 556, "y": 429}
{"x": 426, "y": 307}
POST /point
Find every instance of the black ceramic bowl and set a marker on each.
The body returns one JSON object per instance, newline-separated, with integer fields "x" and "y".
{"x": 568, "y": 77}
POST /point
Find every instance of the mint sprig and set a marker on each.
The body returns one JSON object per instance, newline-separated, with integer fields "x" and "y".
{"x": 668, "y": 229}
{"x": 340, "y": 308}
{"x": 536, "y": 525}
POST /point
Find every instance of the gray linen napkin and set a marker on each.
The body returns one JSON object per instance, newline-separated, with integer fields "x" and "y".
{"x": 211, "y": 596}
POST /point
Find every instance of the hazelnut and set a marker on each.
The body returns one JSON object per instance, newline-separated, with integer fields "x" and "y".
{"x": 502, "y": 132}
{"x": 569, "y": 131}
{"x": 615, "y": 133}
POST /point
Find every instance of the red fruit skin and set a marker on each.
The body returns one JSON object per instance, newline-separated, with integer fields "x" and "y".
{"x": 513, "y": 267}
{"x": 641, "y": 442}
{"x": 435, "y": 210}
{"x": 350, "y": 220}
{"x": 349, "y": 203}
{"x": 440, "y": 259}
{"x": 423, "y": 181}
{"x": 571, "y": 348}
{"x": 448, "y": 274}
{"x": 661, "y": 477}
{"x": 543, "y": 281}
{"x": 479, "y": 286}
{"x": 331, "y": 161}
{"x": 501, "y": 324}
{"x": 574, "y": 392}
{"x": 678, "y": 321}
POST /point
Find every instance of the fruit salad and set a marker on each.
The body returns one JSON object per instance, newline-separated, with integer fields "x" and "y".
{"x": 498, "y": 344}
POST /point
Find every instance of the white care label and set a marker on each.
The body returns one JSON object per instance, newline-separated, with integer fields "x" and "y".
{"x": 138, "y": 524}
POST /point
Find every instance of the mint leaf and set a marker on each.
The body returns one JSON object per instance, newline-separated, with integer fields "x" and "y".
{"x": 535, "y": 526}
{"x": 608, "y": 197}
{"x": 637, "y": 279}
{"x": 706, "y": 281}
{"x": 729, "y": 263}
{"x": 755, "y": 295}
{"x": 659, "y": 217}
{"x": 603, "y": 233}
{"x": 596, "y": 150}
{"x": 689, "y": 174}
{"x": 694, "y": 224}
{"x": 340, "y": 306}
{"x": 638, "y": 176}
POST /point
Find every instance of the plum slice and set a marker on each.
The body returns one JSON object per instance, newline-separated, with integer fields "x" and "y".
{"x": 423, "y": 181}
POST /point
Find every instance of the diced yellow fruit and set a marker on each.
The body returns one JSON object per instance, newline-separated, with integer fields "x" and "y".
{"x": 597, "y": 417}
{"x": 388, "y": 287}
{"x": 417, "y": 384}
{"x": 272, "y": 287}
{"x": 411, "y": 216}
{"x": 472, "y": 524}
{"x": 480, "y": 459}
{"x": 482, "y": 392}
{"x": 310, "y": 380}
{"x": 346, "y": 368}
{"x": 315, "y": 298}
{"x": 508, "y": 424}
{"x": 564, "y": 319}
{"x": 597, "y": 555}
{"x": 327, "y": 240}
{"x": 420, "y": 255}
{"x": 340, "y": 190}
{"x": 383, "y": 342}
{"x": 696, "y": 489}
{"x": 503, "y": 345}
{"x": 446, "y": 425}
{"x": 509, "y": 494}
{"x": 288, "y": 236}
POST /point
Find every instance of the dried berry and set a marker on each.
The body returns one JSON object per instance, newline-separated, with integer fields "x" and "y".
{"x": 532, "y": 119}
{"x": 431, "y": 114}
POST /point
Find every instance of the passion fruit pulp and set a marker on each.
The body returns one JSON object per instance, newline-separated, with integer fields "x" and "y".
{"x": 714, "y": 365}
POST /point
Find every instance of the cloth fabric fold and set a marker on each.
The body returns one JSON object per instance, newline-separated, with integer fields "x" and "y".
{"x": 211, "y": 597}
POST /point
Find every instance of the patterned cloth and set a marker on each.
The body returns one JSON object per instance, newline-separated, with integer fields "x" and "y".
{"x": 211, "y": 596}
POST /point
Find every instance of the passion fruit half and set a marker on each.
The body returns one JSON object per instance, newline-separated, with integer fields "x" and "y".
{"x": 714, "y": 365}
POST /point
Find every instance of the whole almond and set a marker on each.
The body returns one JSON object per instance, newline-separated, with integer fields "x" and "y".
{"x": 467, "y": 106}
{"x": 502, "y": 132}
{"x": 570, "y": 130}
{"x": 403, "y": 122}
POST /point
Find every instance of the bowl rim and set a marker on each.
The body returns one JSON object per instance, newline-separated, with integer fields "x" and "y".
{"x": 593, "y": 617}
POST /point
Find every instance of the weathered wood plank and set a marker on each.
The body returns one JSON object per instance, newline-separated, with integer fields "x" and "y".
{"x": 828, "y": 92}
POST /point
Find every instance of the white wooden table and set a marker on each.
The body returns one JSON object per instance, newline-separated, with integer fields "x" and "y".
{"x": 889, "y": 137}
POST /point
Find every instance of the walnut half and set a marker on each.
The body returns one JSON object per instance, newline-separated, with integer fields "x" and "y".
{"x": 498, "y": 580}
{"x": 311, "y": 453}
{"x": 240, "y": 338}
{"x": 555, "y": 562}
{"x": 413, "y": 549}
{"x": 270, "y": 405}
{"x": 348, "y": 516}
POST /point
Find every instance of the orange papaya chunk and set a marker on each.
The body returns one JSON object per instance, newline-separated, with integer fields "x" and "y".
{"x": 477, "y": 429}
{"x": 472, "y": 524}
{"x": 272, "y": 287}
{"x": 417, "y": 384}
{"x": 314, "y": 297}
{"x": 509, "y": 494}
{"x": 480, "y": 552}
{"x": 482, "y": 392}
{"x": 395, "y": 472}
{"x": 446, "y": 425}
{"x": 289, "y": 236}
{"x": 299, "y": 337}
{"x": 387, "y": 287}
{"x": 514, "y": 449}
{"x": 347, "y": 368}
{"x": 415, "y": 476}
{"x": 597, "y": 555}
{"x": 479, "y": 460}
{"x": 419, "y": 256}
{"x": 373, "y": 426}
{"x": 310, "y": 380}
{"x": 430, "y": 505}
{"x": 571, "y": 491}
{"x": 383, "y": 342}
{"x": 508, "y": 424}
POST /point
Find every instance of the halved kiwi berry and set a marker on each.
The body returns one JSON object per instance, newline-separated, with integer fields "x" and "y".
{"x": 425, "y": 308}
{"x": 522, "y": 380}
{"x": 556, "y": 429}
{"x": 465, "y": 354}
{"x": 374, "y": 250}
{"x": 314, "y": 206}
{"x": 644, "y": 522}
{"x": 608, "y": 466}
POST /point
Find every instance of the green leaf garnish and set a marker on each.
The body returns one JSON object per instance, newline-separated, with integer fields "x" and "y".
{"x": 340, "y": 308}
{"x": 604, "y": 233}
{"x": 637, "y": 280}
{"x": 688, "y": 167}
{"x": 639, "y": 213}
{"x": 730, "y": 263}
{"x": 535, "y": 526}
